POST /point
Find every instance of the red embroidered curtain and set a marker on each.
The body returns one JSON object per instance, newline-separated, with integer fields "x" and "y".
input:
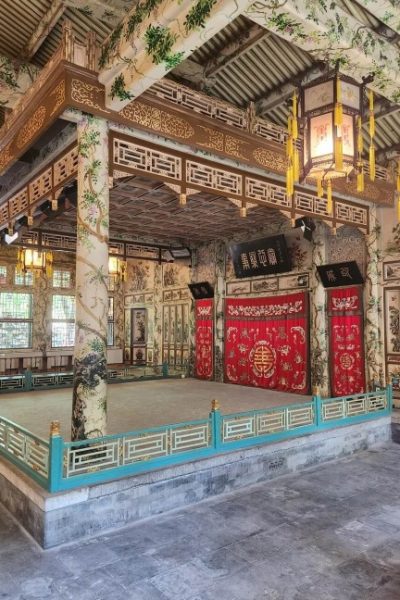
{"x": 266, "y": 342}
{"x": 346, "y": 333}
{"x": 204, "y": 338}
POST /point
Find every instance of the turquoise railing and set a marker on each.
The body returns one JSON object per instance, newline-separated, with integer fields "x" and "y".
{"x": 29, "y": 381}
{"x": 59, "y": 465}
{"x": 27, "y": 451}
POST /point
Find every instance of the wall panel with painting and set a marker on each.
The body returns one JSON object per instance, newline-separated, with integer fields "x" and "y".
{"x": 176, "y": 334}
{"x": 392, "y": 337}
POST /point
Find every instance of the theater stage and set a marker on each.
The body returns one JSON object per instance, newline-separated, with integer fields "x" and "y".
{"x": 141, "y": 404}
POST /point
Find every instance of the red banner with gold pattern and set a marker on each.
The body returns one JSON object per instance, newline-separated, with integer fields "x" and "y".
{"x": 204, "y": 338}
{"x": 346, "y": 334}
{"x": 266, "y": 342}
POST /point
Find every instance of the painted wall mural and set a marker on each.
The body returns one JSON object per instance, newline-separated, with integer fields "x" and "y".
{"x": 374, "y": 349}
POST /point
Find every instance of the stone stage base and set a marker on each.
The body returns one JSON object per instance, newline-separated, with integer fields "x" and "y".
{"x": 60, "y": 518}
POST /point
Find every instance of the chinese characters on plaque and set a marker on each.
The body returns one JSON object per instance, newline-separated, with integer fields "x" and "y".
{"x": 261, "y": 257}
{"x": 340, "y": 274}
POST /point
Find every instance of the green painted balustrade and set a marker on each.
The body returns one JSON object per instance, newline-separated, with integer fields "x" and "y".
{"x": 60, "y": 465}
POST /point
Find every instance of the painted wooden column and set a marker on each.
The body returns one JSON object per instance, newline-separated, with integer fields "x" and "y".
{"x": 319, "y": 319}
{"x": 219, "y": 298}
{"x": 374, "y": 350}
{"x": 89, "y": 410}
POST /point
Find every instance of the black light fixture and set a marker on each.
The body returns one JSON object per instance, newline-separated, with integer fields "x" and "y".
{"x": 306, "y": 225}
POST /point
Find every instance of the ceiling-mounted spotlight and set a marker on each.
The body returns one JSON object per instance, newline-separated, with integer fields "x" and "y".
{"x": 307, "y": 226}
{"x": 9, "y": 239}
{"x": 167, "y": 255}
{"x": 180, "y": 253}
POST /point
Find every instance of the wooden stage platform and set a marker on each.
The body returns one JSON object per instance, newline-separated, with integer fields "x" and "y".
{"x": 141, "y": 404}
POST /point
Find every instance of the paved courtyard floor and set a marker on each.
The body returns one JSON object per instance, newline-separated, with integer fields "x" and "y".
{"x": 140, "y": 404}
{"x": 331, "y": 533}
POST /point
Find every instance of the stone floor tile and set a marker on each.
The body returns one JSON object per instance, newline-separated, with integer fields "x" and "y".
{"x": 181, "y": 582}
{"x": 297, "y": 538}
{"x": 133, "y": 569}
{"x": 143, "y": 591}
{"x": 87, "y": 555}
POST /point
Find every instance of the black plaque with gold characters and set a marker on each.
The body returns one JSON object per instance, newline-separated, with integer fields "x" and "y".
{"x": 340, "y": 274}
{"x": 201, "y": 290}
{"x": 261, "y": 257}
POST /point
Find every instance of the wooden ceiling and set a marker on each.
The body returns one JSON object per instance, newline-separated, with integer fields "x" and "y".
{"x": 146, "y": 210}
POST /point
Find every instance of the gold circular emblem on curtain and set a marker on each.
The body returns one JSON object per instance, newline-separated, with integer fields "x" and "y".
{"x": 262, "y": 358}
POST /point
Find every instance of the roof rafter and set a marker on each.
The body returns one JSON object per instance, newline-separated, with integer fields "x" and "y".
{"x": 47, "y": 23}
{"x": 204, "y": 76}
{"x": 285, "y": 90}
{"x": 134, "y": 58}
{"x": 329, "y": 33}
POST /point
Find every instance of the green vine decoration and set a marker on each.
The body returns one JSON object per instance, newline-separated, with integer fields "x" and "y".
{"x": 159, "y": 42}
{"x": 119, "y": 90}
{"x": 197, "y": 15}
{"x": 110, "y": 46}
{"x": 143, "y": 10}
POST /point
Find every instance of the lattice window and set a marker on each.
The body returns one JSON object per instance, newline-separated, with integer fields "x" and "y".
{"x": 110, "y": 329}
{"x": 4, "y": 213}
{"x": 18, "y": 203}
{"x": 200, "y": 103}
{"x": 310, "y": 203}
{"x": 213, "y": 178}
{"x": 66, "y": 166}
{"x": 356, "y": 215}
{"x": 63, "y": 321}
{"x": 3, "y": 274}
{"x": 15, "y": 320}
{"x": 57, "y": 240}
{"x": 41, "y": 186}
{"x": 129, "y": 154}
{"x": 266, "y": 192}
{"x": 23, "y": 279}
{"x": 62, "y": 278}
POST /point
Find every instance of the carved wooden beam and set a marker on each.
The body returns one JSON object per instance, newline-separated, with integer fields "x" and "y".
{"x": 145, "y": 47}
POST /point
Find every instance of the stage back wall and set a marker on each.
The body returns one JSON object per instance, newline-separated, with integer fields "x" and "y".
{"x": 266, "y": 342}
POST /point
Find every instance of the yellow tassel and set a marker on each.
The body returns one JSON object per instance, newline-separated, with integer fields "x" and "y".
{"x": 294, "y": 105}
{"x": 295, "y": 129}
{"x": 338, "y": 115}
{"x": 398, "y": 177}
{"x": 360, "y": 140}
{"x": 371, "y": 99}
{"x": 296, "y": 166}
{"x": 289, "y": 147}
{"x": 329, "y": 205}
{"x": 372, "y": 162}
{"x": 398, "y": 210}
{"x": 289, "y": 181}
{"x": 360, "y": 179}
{"x": 320, "y": 189}
{"x": 371, "y": 125}
{"x": 289, "y": 123}
{"x": 338, "y": 154}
